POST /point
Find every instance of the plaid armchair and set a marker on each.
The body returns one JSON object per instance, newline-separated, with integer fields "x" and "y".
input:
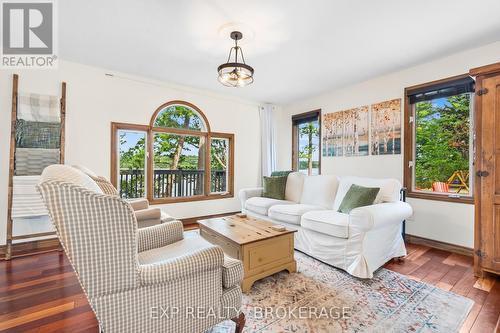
{"x": 146, "y": 216}
{"x": 139, "y": 280}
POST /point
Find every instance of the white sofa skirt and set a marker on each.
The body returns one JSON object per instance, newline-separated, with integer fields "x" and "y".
{"x": 360, "y": 255}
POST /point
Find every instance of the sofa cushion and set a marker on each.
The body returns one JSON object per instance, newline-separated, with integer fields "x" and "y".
{"x": 281, "y": 173}
{"x": 319, "y": 191}
{"x": 389, "y": 188}
{"x": 327, "y": 222}
{"x": 164, "y": 217}
{"x": 261, "y": 205}
{"x": 174, "y": 250}
{"x": 290, "y": 213}
{"x": 294, "y": 184}
{"x": 358, "y": 196}
{"x": 151, "y": 216}
{"x": 274, "y": 187}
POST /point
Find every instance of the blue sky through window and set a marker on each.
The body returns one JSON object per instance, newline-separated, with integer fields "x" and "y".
{"x": 130, "y": 139}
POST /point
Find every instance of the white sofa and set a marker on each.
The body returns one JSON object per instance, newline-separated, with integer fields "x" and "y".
{"x": 359, "y": 242}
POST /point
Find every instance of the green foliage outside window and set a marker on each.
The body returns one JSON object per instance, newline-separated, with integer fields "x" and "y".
{"x": 442, "y": 138}
{"x": 175, "y": 152}
{"x": 308, "y": 146}
{"x": 171, "y": 151}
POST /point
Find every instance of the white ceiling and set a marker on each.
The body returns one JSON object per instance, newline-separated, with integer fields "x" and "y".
{"x": 298, "y": 48}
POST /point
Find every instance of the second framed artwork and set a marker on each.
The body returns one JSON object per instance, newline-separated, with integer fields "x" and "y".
{"x": 364, "y": 130}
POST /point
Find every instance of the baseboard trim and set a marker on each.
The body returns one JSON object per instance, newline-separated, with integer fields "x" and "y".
{"x": 440, "y": 245}
{"x": 31, "y": 247}
{"x": 194, "y": 220}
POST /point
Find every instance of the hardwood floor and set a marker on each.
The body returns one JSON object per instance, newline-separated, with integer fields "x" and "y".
{"x": 40, "y": 293}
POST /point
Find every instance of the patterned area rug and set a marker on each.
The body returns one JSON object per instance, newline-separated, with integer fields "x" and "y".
{"x": 320, "y": 298}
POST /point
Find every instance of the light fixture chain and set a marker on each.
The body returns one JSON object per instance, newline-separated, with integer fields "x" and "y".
{"x": 236, "y": 48}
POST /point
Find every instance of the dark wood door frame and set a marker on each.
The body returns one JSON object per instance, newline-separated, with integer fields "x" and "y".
{"x": 484, "y": 232}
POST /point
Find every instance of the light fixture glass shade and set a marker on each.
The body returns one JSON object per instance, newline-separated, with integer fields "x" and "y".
{"x": 235, "y": 73}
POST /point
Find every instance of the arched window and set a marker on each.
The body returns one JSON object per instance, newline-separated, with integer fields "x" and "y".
{"x": 174, "y": 158}
{"x": 180, "y": 115}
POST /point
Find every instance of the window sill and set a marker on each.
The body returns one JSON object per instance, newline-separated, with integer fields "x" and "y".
{"x": 439, "y": 197}
{"x": 162, "y": 201}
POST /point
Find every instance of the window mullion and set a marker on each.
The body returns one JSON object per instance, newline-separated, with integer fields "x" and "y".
{"x": 411, "y": 162}
{"x": 208, "y": 145}
{"x": 149, "y": 159}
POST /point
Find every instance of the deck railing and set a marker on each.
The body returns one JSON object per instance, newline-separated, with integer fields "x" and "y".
{"x": 170, "y": 183}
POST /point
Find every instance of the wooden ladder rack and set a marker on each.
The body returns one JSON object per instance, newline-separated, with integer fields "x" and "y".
{"x": 62, "y": 103}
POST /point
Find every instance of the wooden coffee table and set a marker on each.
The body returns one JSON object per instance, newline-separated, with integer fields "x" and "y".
{"x": 263, "y": 251}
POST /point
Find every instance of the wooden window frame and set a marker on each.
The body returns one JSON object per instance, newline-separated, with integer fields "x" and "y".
{"x": 150, "y": 130}
{"x": 295, "y": 142}
{"x": 408, "y": 149}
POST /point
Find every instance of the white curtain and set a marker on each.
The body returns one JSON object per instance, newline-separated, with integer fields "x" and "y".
{"x": 268, "y": 139}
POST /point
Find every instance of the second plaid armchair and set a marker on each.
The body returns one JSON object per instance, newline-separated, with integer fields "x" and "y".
{"x": 138, "y": 280}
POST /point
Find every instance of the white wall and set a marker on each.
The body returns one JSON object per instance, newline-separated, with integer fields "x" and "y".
{"x": 94, "y": 100}
{"x": 447, "y": 222}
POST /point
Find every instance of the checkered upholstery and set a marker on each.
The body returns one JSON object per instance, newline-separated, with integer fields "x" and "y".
{"x": 159, "y": 235}
{"x": 232, "y": 272}
{"x": 70, "y": 175}
{"x": 106, "y": 186}
{"x": 100, "y": 237}
{"x": 139, "y": 203}
{"x": 98, "y": 233}
{"x": 231, "y": 298}
{"x": 145, "y": 215}
{"x": 132, "y": 311}
{"x": 177, "y": 268}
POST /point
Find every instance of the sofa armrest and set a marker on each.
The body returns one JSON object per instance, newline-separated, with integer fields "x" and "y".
{"x": 148, "y": 214}
{"x": 248, "y": 193}
{"x": 138, "y": 204}
{"x": 379, "y": 215}
{"x": 159, "y": 235}
{"x": 196, "y": 262}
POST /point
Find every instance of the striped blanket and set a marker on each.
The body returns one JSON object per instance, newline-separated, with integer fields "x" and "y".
{"x": 26, "y": 201}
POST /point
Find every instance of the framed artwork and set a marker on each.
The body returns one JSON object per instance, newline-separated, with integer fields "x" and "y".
{"x": 345, "y": 133}
{"x": 356, "y": 131}
{"x": 333, "y": 129}
{"x": 386, "y": 128}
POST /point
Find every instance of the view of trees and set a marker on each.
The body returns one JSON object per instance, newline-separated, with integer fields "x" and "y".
{"x": 172, "y": 152}
{"x": 175, "y": 152}
{"x": 309, "y": 131}
{"x": 442, "y": 139}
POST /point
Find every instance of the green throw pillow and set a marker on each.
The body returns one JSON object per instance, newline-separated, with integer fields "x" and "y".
{"x": 274, "y": 187}
{"x": 280, "y": 173}
{"x": 358, "y": 196}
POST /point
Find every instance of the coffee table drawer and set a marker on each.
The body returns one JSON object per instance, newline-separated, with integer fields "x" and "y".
{"x": 269, "y": 252}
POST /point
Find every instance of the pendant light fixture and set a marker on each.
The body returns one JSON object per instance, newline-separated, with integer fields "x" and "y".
{"x": 235, "y": 73}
